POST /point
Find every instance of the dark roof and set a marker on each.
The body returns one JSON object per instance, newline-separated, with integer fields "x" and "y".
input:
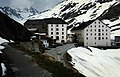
{"x": 45, "y": 21}
{"x": 82, "y": 25}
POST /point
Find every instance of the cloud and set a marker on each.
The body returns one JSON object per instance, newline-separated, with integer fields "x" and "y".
{"x": 21, "y": 3}
{"x": 45, "y": 4}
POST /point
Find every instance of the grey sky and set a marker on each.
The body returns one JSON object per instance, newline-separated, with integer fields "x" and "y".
{"x": 40, "y": 5}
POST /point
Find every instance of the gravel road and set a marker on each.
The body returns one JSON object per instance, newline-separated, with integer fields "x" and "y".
{"x": 22, "y": 64}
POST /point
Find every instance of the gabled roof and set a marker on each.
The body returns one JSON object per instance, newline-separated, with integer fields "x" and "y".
{"x": 82, "y": 25}
{"x": 45, "y": 21}
{"x": 85, "y": 24}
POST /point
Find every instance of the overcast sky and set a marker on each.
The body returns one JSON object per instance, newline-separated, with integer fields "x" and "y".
{"x": 40, "y": 5}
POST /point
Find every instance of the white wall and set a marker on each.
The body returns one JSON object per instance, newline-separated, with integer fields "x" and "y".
{"x": 62, "y": 32}
{"x": 104, "y": 34}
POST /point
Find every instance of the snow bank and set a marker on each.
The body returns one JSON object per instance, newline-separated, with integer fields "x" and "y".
{"x": 3, "y": 69}
{"x": 98, "y": 63}
{"x": 2, "y": 40}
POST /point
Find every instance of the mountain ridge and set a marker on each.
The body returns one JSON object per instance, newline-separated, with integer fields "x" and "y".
{"x": 18, "y": 14}
{"x": 78, "y": 11}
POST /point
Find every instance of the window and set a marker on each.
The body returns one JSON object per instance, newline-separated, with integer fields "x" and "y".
{"x": 102, "y": 37}
{"x": 95, "y": 34}
{"x": 102, "y": 33}
{"x": 52, "y": 37}
{"x": 102, "y": 30}
{"x": 99, "y": 38}
{"x": 62, "y": 25}
{"x": 91, "y": 26}
{"x": 99, "y": 22}
{"x": 62, "y": 36}
{"x": 57, "y": 33}
{"x": 86, "y": 33}
{"x": 57, "y": 37}
{"x": 99, "y": 25}
{"x": 95, "y": 30}
{"x": 106, "y": 34}
{"x": 51, "y": 33}
{"x": 62, "y": 33}
{"x": 57, "y": 25}
{"x": 95, "y": 22}
{"x": 95, "y": 38}
{"x": 86, "y": 38}
{"x": 57, "y": 29}
{"x": 99, "y": 34}
{"x": 91, "y": 34}
{"x": 51, "y": 29}
{"x": 102, "y": 25}
{"x": 86, "y": 29}
{"x": 98, "y": 30}
{"x": 62, "y": 29}
{"x": 106, "y": 37}
{"x": 106, "y": 30}
{"x": 51, "y": 25}
{"x": 95, "y": 26}
{"x": 95, "y": 42}
{"x": 91, "y": 30}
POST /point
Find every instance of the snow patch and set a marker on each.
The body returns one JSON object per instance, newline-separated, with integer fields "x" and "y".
{"x": 3, "y": 69}
{"x": 94, "y": 62}
{"x": 2, "y": 40}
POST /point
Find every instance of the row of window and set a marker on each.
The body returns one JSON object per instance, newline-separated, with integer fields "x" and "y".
{"x": 96, "y": 26}
{"x": 99, "y": 30}
{"x": 56, "y": 25}
{"x": 99, "y": 38}
{"x": 95, "y": 43}
{"x": 99, "y": 34}
{"x": 57, "y": 33}
{"x": 57, "y": 37}
{"x": 57, "y": 29}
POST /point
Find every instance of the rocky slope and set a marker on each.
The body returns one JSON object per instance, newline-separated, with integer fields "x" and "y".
{"x": 12, "y": 30}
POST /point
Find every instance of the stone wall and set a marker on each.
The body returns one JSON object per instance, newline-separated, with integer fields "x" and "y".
{"x": 35, "y": 46}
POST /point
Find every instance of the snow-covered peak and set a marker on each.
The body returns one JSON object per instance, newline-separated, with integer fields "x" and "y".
{"x": 74, "y": 11}
{"x": 18, "y": 14}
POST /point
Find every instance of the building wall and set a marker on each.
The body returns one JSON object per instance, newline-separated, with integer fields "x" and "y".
{"x": 97, "y": 34}
{"x": 80, "y": 35}
{"x": 58, "y": 32}
{"x": 45, "y": 42}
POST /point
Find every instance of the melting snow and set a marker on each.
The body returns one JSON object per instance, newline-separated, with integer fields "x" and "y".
{"x": 98, "y": 63}
{"x": 3, "y": 69}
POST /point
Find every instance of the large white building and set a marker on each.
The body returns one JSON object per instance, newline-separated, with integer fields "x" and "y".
{"x": 55, "y": 28}
{"x": 93, "y": 33}
{"x": 58, "y": 32}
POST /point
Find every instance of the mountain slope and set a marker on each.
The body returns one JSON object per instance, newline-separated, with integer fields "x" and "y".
{"x": 12, "y": 30}
{"x": 17, "y": 13}
{"x": 78, "y": 11}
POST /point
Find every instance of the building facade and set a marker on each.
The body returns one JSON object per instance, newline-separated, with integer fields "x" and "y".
{"x": 54, "y": 28}
{"x": 58, "y": 32}
{"x": 93, "y": 33}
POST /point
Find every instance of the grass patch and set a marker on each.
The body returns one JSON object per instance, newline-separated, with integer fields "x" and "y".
{"x": 49, "y": 63}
